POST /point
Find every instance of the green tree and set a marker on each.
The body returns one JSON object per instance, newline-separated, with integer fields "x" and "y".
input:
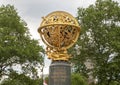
{"x": 99, "y": 41}
{"x": 20, "y": 79}
{"x": 77, "y": 79}
{"x": 16, "y": 45}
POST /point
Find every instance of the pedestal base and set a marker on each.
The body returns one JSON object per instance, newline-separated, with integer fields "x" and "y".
{"x": 60, "y": 73}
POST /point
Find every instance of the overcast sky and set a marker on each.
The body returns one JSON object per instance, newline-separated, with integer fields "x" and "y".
{"x": 32, "y": 10}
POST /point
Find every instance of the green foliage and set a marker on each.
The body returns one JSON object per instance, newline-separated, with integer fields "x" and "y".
{"x": 16, "y": 45}
{"x": 77, "y": 79}
{"x": 99, "y": 41}
{"x": 20, "y": 79}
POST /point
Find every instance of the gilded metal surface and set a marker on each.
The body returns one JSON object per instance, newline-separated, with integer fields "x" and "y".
{"x": 59, "y": 31}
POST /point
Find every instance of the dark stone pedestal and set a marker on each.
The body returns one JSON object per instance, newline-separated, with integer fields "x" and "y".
{"x": 60, "y": 73}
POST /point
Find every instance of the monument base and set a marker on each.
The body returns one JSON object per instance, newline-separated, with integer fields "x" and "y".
{"x": 60, "y": 73}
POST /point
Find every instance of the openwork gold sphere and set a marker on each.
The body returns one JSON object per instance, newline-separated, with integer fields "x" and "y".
{"x": 59, "y": 31}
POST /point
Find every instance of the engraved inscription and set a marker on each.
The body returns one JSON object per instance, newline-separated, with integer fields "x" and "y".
{"x": 59, "y": 75}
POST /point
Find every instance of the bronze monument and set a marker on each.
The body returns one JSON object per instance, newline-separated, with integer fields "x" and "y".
{"x": 59, "y": 31}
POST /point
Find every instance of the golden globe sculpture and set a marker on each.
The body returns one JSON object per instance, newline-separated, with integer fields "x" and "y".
{"x": 59, "y": 30}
